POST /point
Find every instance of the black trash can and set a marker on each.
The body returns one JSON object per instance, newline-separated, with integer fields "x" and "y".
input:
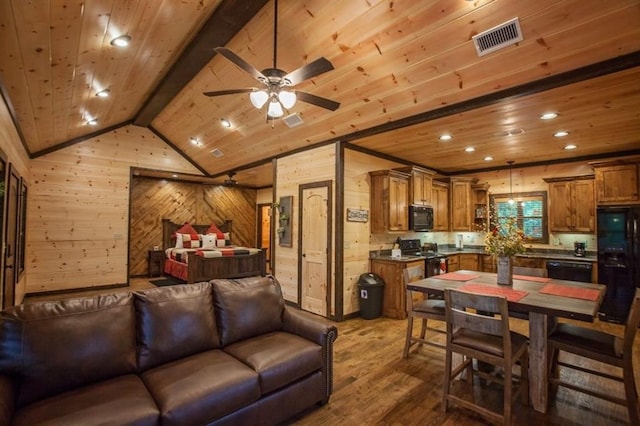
{"x": 371, "y": 288}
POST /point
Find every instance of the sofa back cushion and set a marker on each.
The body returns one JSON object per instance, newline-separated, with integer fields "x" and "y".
{"x": 247, "y": 307}
{"x": 52, "y": 347}
{"x": 174, "y": 322}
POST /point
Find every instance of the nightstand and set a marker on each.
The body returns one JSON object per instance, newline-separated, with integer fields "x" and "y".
{"x": 155, "y": 262}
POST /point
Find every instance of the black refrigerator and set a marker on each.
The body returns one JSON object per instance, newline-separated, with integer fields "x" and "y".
{"x": 618, "y": 259}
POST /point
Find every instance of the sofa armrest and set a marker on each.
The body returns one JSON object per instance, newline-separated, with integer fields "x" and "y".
{"x": 317, "y": 330}
{"x": 6, "y": 400}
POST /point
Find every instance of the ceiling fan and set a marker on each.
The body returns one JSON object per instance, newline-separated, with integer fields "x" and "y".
{"x": 230, "y": 181}
{"x": 278, "y": 82}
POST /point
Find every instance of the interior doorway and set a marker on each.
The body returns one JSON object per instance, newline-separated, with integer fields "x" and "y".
{"x": 264, "y": 232}
{"x": 314, "y": 242}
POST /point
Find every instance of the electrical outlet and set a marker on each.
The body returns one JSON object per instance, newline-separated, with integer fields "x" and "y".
{"x": 556, "y": 242}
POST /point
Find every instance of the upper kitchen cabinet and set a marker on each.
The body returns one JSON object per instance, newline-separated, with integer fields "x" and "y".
{"x": 440, "y": 203}
{"x": 419, "y": 184}
{"x": 480, "y": 206}
{"x": 571, "y": 204}
{"x": 389, "y": 201}
{"x": 617, "y": 181}
{"x": 461, "y": 203}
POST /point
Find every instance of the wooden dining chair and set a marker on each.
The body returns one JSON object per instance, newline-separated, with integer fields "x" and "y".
{"x": 487, "y": 339}
{"x": 532, "y": 272}
{"x": 424, "y": 309}
{"x": 603, "y": 347}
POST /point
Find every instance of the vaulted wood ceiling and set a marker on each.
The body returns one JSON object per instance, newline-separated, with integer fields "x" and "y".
{"x": 405, "y": 73}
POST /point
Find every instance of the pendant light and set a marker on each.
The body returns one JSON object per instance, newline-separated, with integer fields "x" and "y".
{"x": 510, "y": 163}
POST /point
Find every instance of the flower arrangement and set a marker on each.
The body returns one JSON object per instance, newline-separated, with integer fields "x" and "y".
{"x": 505, "y": 239}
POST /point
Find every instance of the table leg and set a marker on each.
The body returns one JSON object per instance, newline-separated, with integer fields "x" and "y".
{"x": 538, "y": 380}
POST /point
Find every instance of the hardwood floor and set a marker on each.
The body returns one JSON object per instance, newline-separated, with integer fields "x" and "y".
{"x": 374, "y": 385}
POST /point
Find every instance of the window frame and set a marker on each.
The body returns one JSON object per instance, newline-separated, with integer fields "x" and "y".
{"x": 518, "y": 197}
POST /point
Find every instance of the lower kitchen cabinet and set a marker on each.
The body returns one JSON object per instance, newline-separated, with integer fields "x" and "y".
{"x": 394, "y": 298}
{"x": 469, "y": 261}
{"x": 488, "y": 263}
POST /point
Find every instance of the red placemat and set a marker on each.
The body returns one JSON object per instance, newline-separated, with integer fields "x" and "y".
{"x": 571, "y": 291}
{"x": 511, "y": 294}
{"x": 454, "y": 276}
{"x": 531, "y": 278}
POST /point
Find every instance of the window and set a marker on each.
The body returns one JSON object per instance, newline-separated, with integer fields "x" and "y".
{"x": 529, "y": 209}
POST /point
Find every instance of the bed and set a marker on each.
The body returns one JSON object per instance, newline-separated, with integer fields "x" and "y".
{"x": 193, "y": 265}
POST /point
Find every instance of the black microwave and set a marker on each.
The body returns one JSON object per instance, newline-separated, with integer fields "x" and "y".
{"x": 420, "y": 218}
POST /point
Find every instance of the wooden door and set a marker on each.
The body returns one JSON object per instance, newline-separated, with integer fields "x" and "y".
{"x": 314, "y": 243}
{"x": 10, "y": 241}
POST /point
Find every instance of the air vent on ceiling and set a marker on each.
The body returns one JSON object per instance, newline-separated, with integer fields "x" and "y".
{"x": 293, "y": 120}
{"x": 498, "y": 37}
{"x": 216, "y": 152}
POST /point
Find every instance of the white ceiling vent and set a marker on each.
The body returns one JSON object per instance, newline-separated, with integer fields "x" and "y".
{"x": 293, "y": 120}
{"x": 217, "y": 153}
{"x": 498, "y": 37}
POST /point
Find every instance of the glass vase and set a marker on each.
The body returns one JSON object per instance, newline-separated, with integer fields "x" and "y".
{"x": 505, "y": 270}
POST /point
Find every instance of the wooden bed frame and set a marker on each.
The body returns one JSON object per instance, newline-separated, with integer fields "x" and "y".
{"x": 205, "y": 269}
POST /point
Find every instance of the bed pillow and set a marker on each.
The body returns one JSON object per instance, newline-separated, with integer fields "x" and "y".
{"x": 189, "y": 240}
{"x": 208, "y": 241}
{"x": 186, "y": 229}
{"x": 213, "y": 229}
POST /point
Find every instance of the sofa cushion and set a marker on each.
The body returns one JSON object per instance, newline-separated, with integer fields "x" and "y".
{"x": 247, "y": 307}
{"x": 279, "y": 358}
{"x": 119, "y": 401}
{"x": 174, "y": 322}
{"x": 53, "y": 347}
{"x": 201, "y": 388}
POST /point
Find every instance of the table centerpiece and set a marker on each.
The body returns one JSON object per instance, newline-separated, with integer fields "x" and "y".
{"x": 505, "y": 240}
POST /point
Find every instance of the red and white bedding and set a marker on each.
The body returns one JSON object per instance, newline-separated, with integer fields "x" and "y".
{"x": 182, "y": 254}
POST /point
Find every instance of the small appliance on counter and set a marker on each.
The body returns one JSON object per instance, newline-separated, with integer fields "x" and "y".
{"x": 459, "y": 242}
{"x": 579, "y": 249}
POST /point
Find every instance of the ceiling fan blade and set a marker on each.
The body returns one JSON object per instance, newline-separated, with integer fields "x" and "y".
{"x": 317, "y": 100}
{"x": 305, "y": 72}
{"x": 241, "y": 63}
{"x": 229, "y": 92}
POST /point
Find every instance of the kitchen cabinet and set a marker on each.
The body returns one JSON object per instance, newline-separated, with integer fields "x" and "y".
{"x": 394, "y": 297}
{"x": 469, "y": 261}
{"x": 440, "y": 204}
{"x": 617, "y": 182}
{"x": 480, "y": 206}
{"x": 389, "y": 201}
{"x": 488, "y": 263}
{"x": 528, "y": 262}
{"x": 461, "y": 204}
{"x": 572, "y": 207}
{"x": 453, "y": 263}
{"x": 419, "y": 185}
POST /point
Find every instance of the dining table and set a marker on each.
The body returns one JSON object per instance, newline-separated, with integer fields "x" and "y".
{"x": 543, "y": 300}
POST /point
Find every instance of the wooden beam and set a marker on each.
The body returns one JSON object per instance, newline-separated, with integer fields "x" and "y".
{"x": 227, "y": 20}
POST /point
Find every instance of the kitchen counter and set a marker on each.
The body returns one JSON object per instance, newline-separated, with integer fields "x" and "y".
{"x": 537, "y": 255}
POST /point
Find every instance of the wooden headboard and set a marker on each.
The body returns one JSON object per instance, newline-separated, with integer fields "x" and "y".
{"x": 169, "y": 228}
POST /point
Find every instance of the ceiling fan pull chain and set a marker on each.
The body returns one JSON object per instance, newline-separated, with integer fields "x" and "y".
{"x": 275, "y": 33}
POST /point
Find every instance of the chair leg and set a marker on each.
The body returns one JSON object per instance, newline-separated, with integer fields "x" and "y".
{"x": 631, "y": 393}
{"x": 554, "y": 353}
{"x": 447, "y": 379}
{"x": 423, "y": 330}
{"x": 508, "y": 394}
{"x": 524, "y": 378}
{"x": 407, "y": 342}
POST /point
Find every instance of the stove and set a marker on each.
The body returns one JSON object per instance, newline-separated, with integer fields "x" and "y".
{"x": 435, "y": 263}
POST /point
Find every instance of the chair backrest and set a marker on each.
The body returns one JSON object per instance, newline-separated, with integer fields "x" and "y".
{"x": 633, "y": 321}
{"x": 532, "y": 272}
{"x": 411, "y": 274}
{"x": 457, "y": 305}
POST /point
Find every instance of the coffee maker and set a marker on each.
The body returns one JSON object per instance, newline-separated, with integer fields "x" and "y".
{"x": 579, "y": 249}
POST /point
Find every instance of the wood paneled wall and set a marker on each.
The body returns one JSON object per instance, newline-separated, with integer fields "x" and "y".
{"x": 78, "y": 208}
{"x": 155, "y": 199}
{"x": 357, "y": 237}
{"x": 314, "y": 165}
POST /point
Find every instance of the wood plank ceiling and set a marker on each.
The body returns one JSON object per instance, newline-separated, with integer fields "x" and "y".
{"x": 405, "y": 73}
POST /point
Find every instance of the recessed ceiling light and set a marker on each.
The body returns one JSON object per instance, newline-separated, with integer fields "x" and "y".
{"x": 225, "y": 123}
{"x": 570, "y": 146}
{"x": 93, "y": 122}
{"x": 548, "y": 116}
{"x": 194, "y": 141}
{"x": 561, "y": 134}
{"x": 121, "y": 41}
{"x": 469, "y": 149}
{"x": 445, "y": 137}
{"x": 174, "y": 175}
{"x": 488, "y": 158}
{"x": 103, "y": 93}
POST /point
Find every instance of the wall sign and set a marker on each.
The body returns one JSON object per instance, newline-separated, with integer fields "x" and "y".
{"x": 357, "y": 215}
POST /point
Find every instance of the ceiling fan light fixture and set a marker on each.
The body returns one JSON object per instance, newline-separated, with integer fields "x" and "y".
{"x": 287, "y": 99}
{"x": 258, "y": 98}
{"x": 275, "y": 109}
{"x": 121, "y": 41}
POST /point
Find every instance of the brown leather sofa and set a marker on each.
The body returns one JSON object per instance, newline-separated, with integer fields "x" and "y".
{"x": 222, "y": 352}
